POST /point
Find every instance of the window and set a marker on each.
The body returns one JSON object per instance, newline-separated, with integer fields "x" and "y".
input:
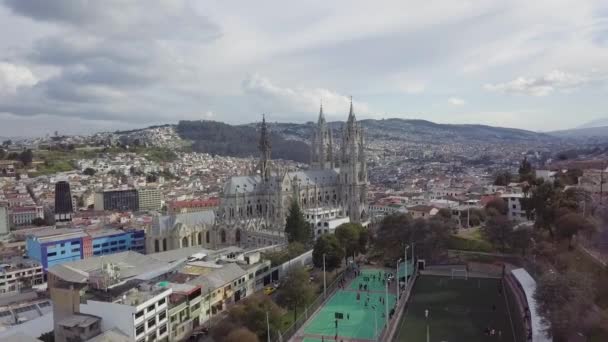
{"x": 162, "y": 316}
{"x": 122, "y": 242}
{"x": 151, "y": 308}
{"x": 96, "y": 246}
{"x": 161, "y": 302}
{"x": 139, "y": 330}
{"x": 114, "y": 243}
{"x": 196, "y": 306}
{"x": 51, "y": 254}
{"x": 139, "y": 314}
{"x": 74, "y": 250}
{"x": 105, "y": 244}
{"x": 151, "y": 322}
{"x": 163, "y": 329}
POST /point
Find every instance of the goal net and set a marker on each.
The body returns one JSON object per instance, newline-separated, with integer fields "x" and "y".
{"x": 460, "y": 273}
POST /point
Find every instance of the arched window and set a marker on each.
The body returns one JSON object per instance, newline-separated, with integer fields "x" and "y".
{"x": 223, "y": 236}
{"x": 164, "y": 244}
{"x": 156, "y": 246}
{"x": 199, "y": 238}
{"x": 207, "y": 237}
{"x": 237, "y": 236}
{"x": 185, "y": 242}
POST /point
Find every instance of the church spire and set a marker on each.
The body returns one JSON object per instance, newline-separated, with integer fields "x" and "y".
{"x": 351, "y": 114}
{"x": 265, "y": 148}
{"x": 321, "y": 115}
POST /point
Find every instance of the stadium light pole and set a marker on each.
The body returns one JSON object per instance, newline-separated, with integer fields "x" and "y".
{"x": 324, "y": 279}
{"x": 386, "y": 303}
{"x": 405, "y": 260}
{"x": 267, "y": 327}
{"x": 397, "y": 278}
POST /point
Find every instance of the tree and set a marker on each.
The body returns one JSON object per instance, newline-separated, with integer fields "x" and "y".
{"x": 526, "y": 172}
{"x": 348, "y": 235}
{"x": 39, "y": 222}
{"x": 2, "y": 153}
{"x": 564, "y": 301}
{"x": 26, "y": 157}
{"x": 497, "y": 204}
{"x": 570, "y": 224}
{"x": 89, "y": 171}
{"x": 521, "y": 238}
{"x": 503, "y": 178}
{"x": 327, "y": 244}
{"x": 296, "y": 290}
{"x": 498, "y": 229}
{"x": 296, "y": 228}
{"x": 252, "y": 315}
{"x": 542, "y": 205}
{"x": 241, "y": 335}
{"x": 151, "y": 178}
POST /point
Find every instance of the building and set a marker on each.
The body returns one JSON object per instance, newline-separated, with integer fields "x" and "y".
{"x": 161, "y": 296}
{"x": 55, "y": 246}
{"x": 78, "y": 327}
{"x": 516, "y": 211}
{"x": 20, "y": 274}
{"x": 149, "y": 198}
{"x": 181, "y": 230}
{"x": 259, "y": 202}
{"x": 63, "y": 202}
{"x": 422, "y": 211}
{"x": 7, "y": 168}
{"x": 189, "y": 206}
{"x": 5, "y": 226}
{"x": 119, "y": 200}
{"x": 324, "y": 221}
{"x": 25, "y": 215}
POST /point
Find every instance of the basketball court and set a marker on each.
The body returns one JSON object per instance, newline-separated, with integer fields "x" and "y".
{"x": 360, "y": 315}
{"x": 460, "y": 308}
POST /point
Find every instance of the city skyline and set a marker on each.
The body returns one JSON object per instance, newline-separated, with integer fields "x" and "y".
{"x": 118, "y": 66}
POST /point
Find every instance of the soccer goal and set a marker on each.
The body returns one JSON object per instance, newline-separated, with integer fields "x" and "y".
{"x": 460, "y": 273}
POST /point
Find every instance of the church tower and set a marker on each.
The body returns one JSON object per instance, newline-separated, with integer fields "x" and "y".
{"x": 265, "y": 149}
{"x": 353, "y": 169}
{"x": 322, "y": 151}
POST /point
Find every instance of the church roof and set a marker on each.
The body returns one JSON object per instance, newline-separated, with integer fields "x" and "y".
{"x": 164, "y": 224}
{"x": 242, "y": 184}
{"x": 316, "y": 177}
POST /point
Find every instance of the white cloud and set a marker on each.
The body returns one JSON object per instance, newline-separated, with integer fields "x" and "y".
{"x": 455, "y": 101}
{"x": 541, "y": 86}
{"x": 13, "y": 77}
{"x": 276, "y": 99}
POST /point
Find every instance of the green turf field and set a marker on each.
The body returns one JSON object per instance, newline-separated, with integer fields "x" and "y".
{"x": 459, "y": 310}
{"x": 373, "y": 284}
{"x": 358, "y": 319}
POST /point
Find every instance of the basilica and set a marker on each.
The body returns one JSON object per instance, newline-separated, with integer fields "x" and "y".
{"x": 253, "y": 208}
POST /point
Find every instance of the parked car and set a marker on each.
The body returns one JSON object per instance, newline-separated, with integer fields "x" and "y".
{"x": 268, "y": 290}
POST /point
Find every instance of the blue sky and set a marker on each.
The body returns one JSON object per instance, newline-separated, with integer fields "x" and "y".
{"x": 84, "y": 66}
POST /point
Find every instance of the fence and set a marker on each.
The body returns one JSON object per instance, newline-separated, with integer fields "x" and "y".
{"x": 309, "y": 311}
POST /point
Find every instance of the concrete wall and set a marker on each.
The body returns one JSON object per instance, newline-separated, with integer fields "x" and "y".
{"x": 113, "y": 315}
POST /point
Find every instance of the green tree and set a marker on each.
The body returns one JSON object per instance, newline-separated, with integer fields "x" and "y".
{"x": 497, "y": 204}
{"x": 503, "y": 178}
{"x": 564, "y": 301}
{"x": 498, "y": 229}
{"x": 296, "y": 228}
{"x": 348, "y": 235}
{"x": 526, "y": 172}
{"x": 521, "y": 238}
{"x": 89, "y": 171}
{"x": 252, "y": 315}
{"x": 327, "y": 244}
{"x": 296, "y": 290}
{"x": 2, "y": 153}
{"x": 571, "y": 224}
{"x": 39, "y": 222}
{"x": 26, "y": 157}
{"x": 241, "y": 335}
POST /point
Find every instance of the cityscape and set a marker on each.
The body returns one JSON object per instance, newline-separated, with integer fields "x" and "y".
{"x": 146, "y": 197}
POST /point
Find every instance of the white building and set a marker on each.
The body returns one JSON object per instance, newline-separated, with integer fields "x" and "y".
{"x": 324, "y": 220}
{"x": 515, "y": 212}
{"x": 19, "y": 275}
{"x": 4, "y": 221}
{"x": 149, "y": 198}
{"x": 142, "y": 313}
{"x": 23, "y": 216}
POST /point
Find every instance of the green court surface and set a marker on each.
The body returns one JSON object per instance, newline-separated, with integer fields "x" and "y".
{"x": 367, "y": 277}
{"x": 459, "y": 310}
{"x": 358, "y": 319}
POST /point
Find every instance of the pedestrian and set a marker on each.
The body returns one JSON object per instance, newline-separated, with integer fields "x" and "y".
{"x": 499, "y": 333}
{"x": 426, "y": 313}
{"x": 347, "y": 315}
{"x": 336, "y": 324}
{"x": 322, "y": 339}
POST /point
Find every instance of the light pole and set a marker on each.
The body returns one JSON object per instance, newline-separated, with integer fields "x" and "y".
{"x": 375, "y": 323}
{"x": 324, "y": 279}
{"x": 267, "y": 327}
{"x": 405, "y": 260}
{"x": 386, "y": 304}
{"x": 397, "y": 279}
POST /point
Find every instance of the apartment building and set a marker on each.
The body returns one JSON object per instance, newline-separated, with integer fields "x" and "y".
{"x": 19, "y": 274}
{"x": 120, "y": 200}
{"x": 325, "y": 220}
{"x": 149, "y": 198}
{"x": 5, "y": 226}
{"x": 24, "y": 215}
{"x": 514, "y": 203}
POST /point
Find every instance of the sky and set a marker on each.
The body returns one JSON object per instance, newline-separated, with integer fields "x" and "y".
{"x": 82, "y": 66}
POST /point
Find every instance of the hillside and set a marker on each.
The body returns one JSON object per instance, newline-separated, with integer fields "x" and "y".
{"x": 586, "y": 132}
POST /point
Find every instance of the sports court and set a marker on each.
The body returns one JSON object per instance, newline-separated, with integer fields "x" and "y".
{"x": 358, "y": 315}
{"x": 459, "y": 310}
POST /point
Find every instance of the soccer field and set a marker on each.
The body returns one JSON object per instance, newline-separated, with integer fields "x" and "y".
{"x": 459, "y": 310}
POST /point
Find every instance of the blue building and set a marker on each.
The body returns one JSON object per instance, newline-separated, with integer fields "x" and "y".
{"x": 55, "y": 246}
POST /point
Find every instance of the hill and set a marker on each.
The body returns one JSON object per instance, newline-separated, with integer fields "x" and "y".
{"x": 586, "y": 132}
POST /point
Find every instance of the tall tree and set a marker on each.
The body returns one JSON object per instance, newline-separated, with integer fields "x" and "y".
{"x": 348, "y": 235}
{"x": 564, "y": 301}
{"x": 571, "y": 224}
{"x": 327, "y": 244}
{"x": 526, "y": 172}
{"x": 89, "y": 171}
{"x": 296, "y": 228}
{"x": 252, "y": 315}
{"x": 503, "y": 178}
{"x": 26, "y": 157}
{"x": 498, "y": 229}
{"x": 497, "y": 204}
{"x": 521, "y": 238}
{"x": 296, "y": 290}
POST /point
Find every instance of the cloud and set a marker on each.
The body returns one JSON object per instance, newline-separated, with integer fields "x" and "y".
{"x": 455, "y": 101}
{"x": 273, "y": 98}
{"x": 541, "y": 86}
{"x": 13, "y": 77}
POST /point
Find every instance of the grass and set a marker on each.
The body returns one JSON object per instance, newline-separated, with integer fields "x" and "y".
{"x": 470, "y": 244}
{"x": 459, "y": 310}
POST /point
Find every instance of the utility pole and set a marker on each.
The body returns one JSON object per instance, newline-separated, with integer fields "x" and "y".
{"x": 324, "y": 279}
{"x": 397, "y": 279}
{"x": 267, "y": 327}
